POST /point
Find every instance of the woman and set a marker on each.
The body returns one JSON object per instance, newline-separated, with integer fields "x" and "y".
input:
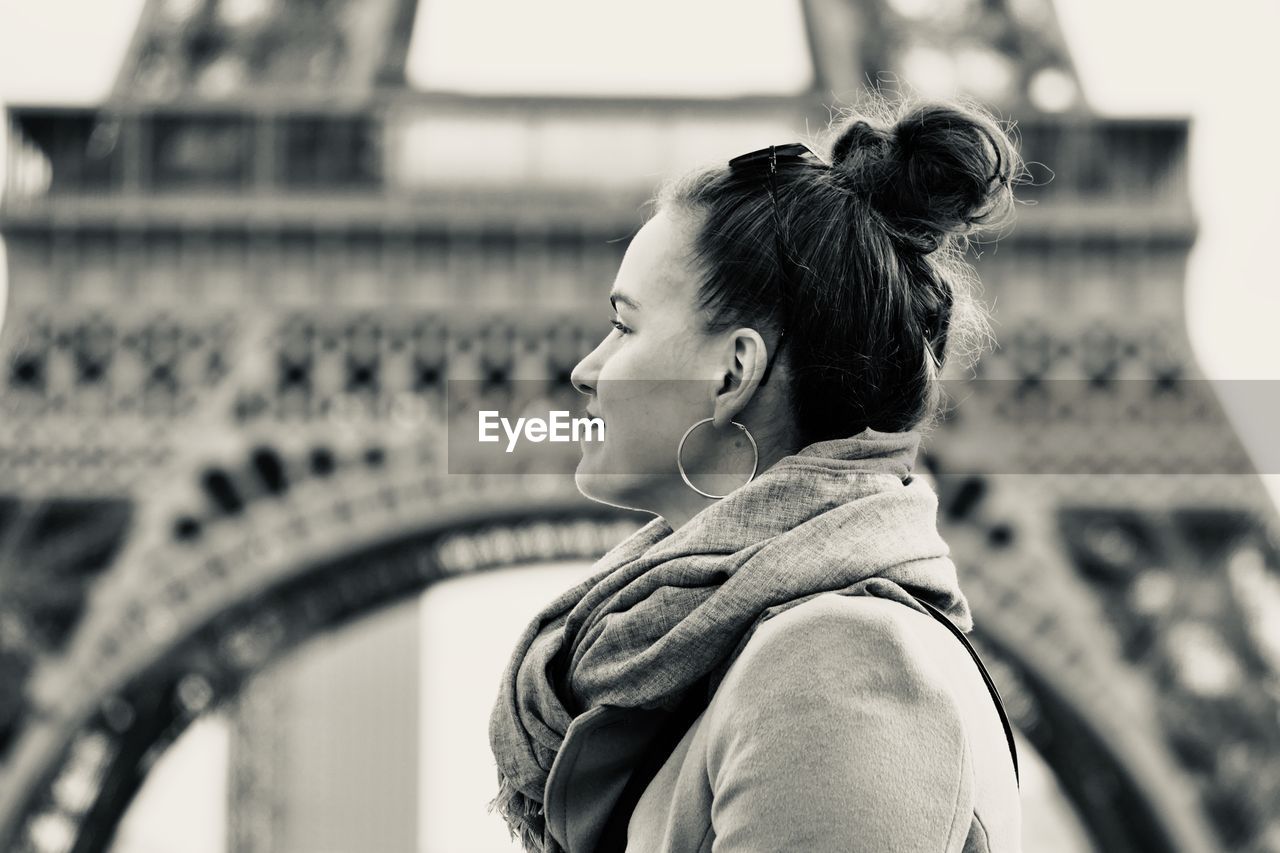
{"x": 753, "y": 670}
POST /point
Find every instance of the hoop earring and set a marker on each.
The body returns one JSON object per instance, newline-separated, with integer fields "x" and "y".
{"x": 679, "y": 450}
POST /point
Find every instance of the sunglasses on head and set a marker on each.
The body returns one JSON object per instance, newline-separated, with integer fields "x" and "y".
{"x": 764, "y": 163}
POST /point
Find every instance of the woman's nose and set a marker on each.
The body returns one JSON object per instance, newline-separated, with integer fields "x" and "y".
{"x": 582, "y": 380}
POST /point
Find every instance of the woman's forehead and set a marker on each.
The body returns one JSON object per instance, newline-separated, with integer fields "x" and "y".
{"x": 657, "y": 268}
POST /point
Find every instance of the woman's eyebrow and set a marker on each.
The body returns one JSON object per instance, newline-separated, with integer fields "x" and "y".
{"x": 616, "y": 297}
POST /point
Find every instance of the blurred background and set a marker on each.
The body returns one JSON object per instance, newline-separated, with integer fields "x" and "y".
{"x": 248, "y": 242}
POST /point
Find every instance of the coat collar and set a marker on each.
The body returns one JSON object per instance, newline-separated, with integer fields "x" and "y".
{"x": 591, "y": 768}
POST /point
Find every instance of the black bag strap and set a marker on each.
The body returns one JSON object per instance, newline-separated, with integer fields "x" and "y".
{"x": 991, "y": 686}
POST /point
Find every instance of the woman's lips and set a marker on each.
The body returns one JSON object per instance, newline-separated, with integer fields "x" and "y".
{"x": 586, "y": 438}
{"x": 604, "y": 429}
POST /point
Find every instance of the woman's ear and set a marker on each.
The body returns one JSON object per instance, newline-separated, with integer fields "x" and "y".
{"x": 744, "y": 364}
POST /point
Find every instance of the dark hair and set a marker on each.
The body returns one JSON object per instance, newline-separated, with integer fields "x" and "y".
{"x": 878, "y": 286}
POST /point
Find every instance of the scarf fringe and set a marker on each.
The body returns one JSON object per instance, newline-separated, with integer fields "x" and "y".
{"x": 524, "y": 817}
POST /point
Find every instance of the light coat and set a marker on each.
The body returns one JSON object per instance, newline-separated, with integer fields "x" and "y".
{"x": 847, "y": 723}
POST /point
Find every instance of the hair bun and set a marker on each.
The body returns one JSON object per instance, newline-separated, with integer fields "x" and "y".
{"x": 860, "y": 141}
{"x": 939, "y": 171}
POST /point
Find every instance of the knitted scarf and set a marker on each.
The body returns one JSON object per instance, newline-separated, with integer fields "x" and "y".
{"x": 663, "y": 608}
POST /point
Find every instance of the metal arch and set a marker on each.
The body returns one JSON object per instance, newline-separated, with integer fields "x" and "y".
{"x": 221, "y": 653}
{"x": 285, "y": 596}
{"x": 157, "y": 602}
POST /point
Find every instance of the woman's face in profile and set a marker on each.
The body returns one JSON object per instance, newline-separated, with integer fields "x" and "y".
{"x": 654, "y": 374}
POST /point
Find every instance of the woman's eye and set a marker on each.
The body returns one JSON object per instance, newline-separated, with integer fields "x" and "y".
{"x": 620, "y": 326}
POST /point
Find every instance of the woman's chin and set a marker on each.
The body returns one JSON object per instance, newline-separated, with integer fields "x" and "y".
{"x": 599, "y": 486}
{"x": 606, "y": 487}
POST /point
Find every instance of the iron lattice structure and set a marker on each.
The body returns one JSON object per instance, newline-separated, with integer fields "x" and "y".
{"x": 240, "y": 285}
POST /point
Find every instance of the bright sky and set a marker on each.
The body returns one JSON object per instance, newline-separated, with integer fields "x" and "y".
{"x": 634, "y": 44}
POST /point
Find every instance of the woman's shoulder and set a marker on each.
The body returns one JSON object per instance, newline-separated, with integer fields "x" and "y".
{"x": 837, "y": 635}
{"x": 840, "y": 666}
{"x": 841, "y": 662}
{"x": 835, "y": 709}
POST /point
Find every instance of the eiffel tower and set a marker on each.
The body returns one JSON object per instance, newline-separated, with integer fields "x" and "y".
{"x": 240, "y": 284}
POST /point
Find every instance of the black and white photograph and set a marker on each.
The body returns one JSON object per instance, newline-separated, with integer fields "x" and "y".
{"x": 679, "y": 426}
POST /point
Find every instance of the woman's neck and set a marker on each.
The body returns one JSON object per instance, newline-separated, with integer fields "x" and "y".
{"x": 679, "y": 503}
